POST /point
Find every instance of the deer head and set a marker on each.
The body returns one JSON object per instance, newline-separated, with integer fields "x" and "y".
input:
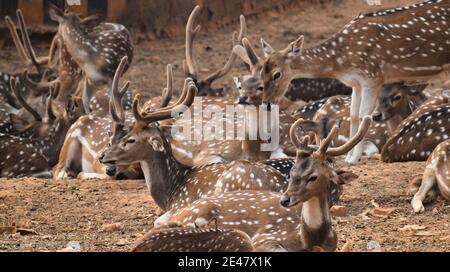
{"x": 313, "y": 171}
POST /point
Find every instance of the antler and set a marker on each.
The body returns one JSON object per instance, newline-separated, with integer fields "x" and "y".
{"x": 188, "y": 64}
{"x": 363, "y": 128}
{"x": 26, "y": 53}
{"x": 168, "y": 91}
{"x": 15, "y": 86}
{"x": 300, "y": 144}
{"x": 237, "y": 39}
{"x": 115, "y": 106}
{"x": 187, "y": 98}
{"x": 254, "y": 59}
{"x": 50, "y": 115}
{"x": 38, "y": 88}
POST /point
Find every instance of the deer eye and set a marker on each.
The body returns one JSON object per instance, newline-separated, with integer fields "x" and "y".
{"x": 312, "y": 178}
{"x": 260, "y": 88}
{"x": 397, "y": 97}
{"x": 276, "y": 75}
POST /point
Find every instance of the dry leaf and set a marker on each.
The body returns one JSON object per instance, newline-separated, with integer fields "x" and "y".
{"x": 412, "y": 228}
{"x": 381, "y": 212}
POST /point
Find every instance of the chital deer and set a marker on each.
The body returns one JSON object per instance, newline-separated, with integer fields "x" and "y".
{"x": 171, "y": 184}
{"x": 309, "y": 90}
{"x": 435, "y": 179}
{"x": 90, "y": 134}
{"x": 96, "y": 49}
{"x": 22, "y": 156}
{"x": 258, "y": 213}
{"x": 178, "y": 238}
{"x": 396, "y": 102}
{"x": 418, "y": 135}
{"x": 377, "y": 48}
{"x": 190, "y": 68}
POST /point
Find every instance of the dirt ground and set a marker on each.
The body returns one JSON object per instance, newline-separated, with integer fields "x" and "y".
{"x": 111, "y": 215}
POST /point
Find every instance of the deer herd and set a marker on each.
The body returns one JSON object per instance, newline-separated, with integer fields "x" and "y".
{"x": 67, "y": 115}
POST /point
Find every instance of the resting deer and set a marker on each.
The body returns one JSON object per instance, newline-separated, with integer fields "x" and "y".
{"x": 96, "y": 49}
{"x": 258, "y": 213}
{"x": 172, "y": 184}
{"x": 204, "y": 86}
{"x": 418, "y": 135}
{"x": 35, "y": 157}
{"x": 178, "y": 238}
{"x": 435, "y": 179}
{"x": 396, "y": 102}
{"x": 90, "y": 134}
{"x": 376, "y": 48}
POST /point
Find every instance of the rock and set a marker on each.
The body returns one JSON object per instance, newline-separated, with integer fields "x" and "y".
{"x": 340, "y": 211}
{"x": 72, "y": 246}
{"x": 112, "y": 227}
{"x": 373, "y": 246}
{"x": 412, "y": 228}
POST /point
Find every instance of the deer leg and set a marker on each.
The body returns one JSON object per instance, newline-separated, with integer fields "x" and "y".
{"x": 428, "y": 182}
{"x": 87, "y": 94}
{"x": 367, "y": 106}
{"x": 354, "y": 115}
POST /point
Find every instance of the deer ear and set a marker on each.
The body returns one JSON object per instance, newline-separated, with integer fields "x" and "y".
{"x": 295, "y": 49}
{"x": 156, "y": 143}
{"x": 56, "y": 14}
{"x": 417, "y": 89}
{"x": 267, "y": 49}
{"x": 239, "y": 50}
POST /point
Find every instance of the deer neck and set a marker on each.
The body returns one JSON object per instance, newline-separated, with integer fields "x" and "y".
{"x": 321, "y": 61}
{"x": 163, "y": 174}
{"x": 315, "y": 222}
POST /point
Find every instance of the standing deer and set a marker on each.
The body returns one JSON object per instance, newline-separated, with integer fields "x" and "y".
{"x": 376, "y": 48}
{"x": 418, "y": 135}
{"x": 178, "y": 238}
{"x": 96, "y": 49}
{"x": 258, "y": 213}
{"x": 435, "y": 179}
{"x": 204, "y": 86}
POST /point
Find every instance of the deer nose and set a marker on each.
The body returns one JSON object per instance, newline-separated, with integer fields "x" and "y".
{"x": 377, "y": 116}
{"x": 285, "y": 200}
{"x": 242, "y": 99}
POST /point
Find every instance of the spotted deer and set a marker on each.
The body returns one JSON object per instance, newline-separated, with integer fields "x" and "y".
{"x": 271, "y": 226}
{"x": 189, "y": 66}
{"x": 407, "y": 43}
{"x": 309, "y": 90}
{"x": 97, "y": 49}
{"x": 435, "y": 179}
{"x": 396, "y": 102}
{"x": 90, "y": 134}
{"x": 172, "y": 184}
{"x": 178, "y": 238}
{"x": 36, "y": 156}
{"x": 418, "y": 135}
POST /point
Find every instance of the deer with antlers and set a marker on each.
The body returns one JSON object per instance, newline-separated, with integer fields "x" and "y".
{"x": 435, "y": 179}
{"x": 90, "y": 134}
{"x": 23, "y": 156}
{"x": 178, "y": 238}
{"x": 374, "y": 49}
{"x": 96, "y": 48}
{"x": 272, "y": 227}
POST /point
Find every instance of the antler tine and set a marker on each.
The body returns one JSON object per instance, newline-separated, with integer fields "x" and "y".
{"x": 166, "y": 113}
{"x": 116, "y": 93}
{"x": 293, "y": 134}
{"x": 363, "y": 128}
{"x": 189, "y": 64}
{"x": 50, "y": 115}
{"x": 53, "y": 51}
{"x": 326, "y": 143}
{"x": 26, "y": 40}
{"x": 254, "y": 59}
{"x": 227, "y": 67}
{"x": 37, "y": 88}
{"x": 17, "y": 41}
{"x": 15, "y": 86}
{"x": 168, "y": 91}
